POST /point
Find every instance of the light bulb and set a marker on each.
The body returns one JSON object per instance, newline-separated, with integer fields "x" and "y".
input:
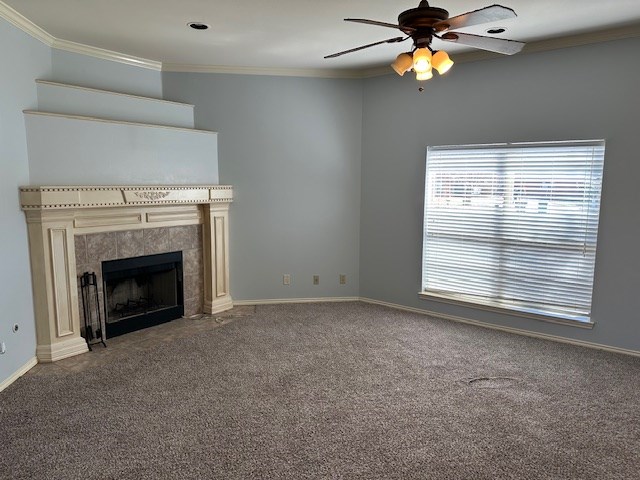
{"x": 441, "y": 62}
{"x": 421, "y": 60}
{"x": 402, "y": 63}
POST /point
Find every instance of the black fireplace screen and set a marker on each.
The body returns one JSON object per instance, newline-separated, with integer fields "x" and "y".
{"x": 142, "y": 291}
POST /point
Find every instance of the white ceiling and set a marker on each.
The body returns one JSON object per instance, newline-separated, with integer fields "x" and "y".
{"x": 291, "y": 34}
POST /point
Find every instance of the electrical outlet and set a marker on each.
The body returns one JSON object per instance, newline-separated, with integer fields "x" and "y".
{"x": 316, "y": 279}
{"x": 343, "y": 279}
{"x": 286, "y": 279}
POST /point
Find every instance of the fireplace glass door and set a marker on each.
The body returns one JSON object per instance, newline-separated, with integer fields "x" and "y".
{"x": 142, "y": 291}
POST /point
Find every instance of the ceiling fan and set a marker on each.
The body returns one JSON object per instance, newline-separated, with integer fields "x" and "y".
{"x": 425, "y": 22}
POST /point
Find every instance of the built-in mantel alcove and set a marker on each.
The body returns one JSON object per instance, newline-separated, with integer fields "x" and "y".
{"x": 57, "y": 214}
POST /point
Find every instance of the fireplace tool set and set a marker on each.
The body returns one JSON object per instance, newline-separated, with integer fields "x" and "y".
{"x": 89, "y": 289}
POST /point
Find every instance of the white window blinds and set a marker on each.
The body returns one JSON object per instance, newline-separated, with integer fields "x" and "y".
{"x": 514, "y": 225}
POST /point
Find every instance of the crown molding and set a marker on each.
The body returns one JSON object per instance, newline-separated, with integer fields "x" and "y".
{"x": 278, "y": 72}
{"x": 104, "y": 54}
{"x": 27, "y": 26}
{"x": 24, "y": 24}
{"x": 588, "y": 38}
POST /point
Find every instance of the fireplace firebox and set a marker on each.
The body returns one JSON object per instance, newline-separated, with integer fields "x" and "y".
{"x": 140, "y": 292}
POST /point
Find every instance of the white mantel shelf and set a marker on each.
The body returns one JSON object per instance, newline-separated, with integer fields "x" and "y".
{"x": 55, "y": 214}
{"x": 74, "y": 197}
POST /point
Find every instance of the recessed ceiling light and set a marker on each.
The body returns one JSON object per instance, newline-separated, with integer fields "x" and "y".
{"x": 198, "y": 25}
{"x": 496, "y": 30}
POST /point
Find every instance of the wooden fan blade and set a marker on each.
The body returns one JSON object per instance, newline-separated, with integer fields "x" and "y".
{"x": 498, "y": 45}
{"x": 489, "y": 14}
{"x": 390, "y": 40}
{"x": 407, "y": 30}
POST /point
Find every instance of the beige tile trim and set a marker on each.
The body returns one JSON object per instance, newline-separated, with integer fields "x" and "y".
{"x": 18, "y": 373}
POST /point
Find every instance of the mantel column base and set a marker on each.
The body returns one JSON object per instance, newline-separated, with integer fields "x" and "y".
{"x": 220, "y": 304}
{"x": 59, "y": 350}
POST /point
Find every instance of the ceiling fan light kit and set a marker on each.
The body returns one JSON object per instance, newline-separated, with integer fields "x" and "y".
{"x": 421, "y": 60}
{"x": 441, "y": 62}
{"x": 424, "y": 23}
{"x": 403, "y": 63}
{"x": 428, "y": 75}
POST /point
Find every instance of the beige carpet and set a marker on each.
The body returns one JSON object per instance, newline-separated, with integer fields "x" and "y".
{"x": 349, "y": 390}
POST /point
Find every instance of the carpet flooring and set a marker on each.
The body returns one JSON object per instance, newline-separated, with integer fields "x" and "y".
{"x": 315, "y": 391}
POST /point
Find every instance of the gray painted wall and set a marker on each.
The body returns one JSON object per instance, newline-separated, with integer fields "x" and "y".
{"x": 72, "y": 151}
{"x": 297, "y": 151}
{"x": 77, "y": 69}
{"x": 557, "y": 95}
{"x": 291, "y": 149}
{"x": 25, "y": 59}
{"x": 60, "y": 98}
{"x": 29, "y": 60}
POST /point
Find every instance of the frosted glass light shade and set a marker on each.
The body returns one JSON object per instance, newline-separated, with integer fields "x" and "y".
{"x": 402, "y": 63}
{"x": 441, "y": 62}
{"x": 421, "y": 60}
{"x": 424, "y": 75}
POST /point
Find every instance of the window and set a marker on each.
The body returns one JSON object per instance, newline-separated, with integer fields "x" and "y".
{"x": 513, "y": 226}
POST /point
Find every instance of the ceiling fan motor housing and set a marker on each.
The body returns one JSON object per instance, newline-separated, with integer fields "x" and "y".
{"x": 419, "y": 22}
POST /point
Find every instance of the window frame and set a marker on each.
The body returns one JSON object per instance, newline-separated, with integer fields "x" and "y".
{"x": 502, "y": 306}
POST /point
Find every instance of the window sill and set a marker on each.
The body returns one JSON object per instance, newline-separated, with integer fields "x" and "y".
{"x": 507, "y": 311}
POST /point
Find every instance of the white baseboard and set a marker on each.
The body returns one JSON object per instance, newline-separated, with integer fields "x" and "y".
{"x": 517, "y": 331}
{"x": 18, "y": 373}
{"x": 276, "y": 301}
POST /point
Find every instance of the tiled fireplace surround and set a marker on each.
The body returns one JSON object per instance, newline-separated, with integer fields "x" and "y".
{"x": 73, "y": 229}
{"x": 94, "y": 248}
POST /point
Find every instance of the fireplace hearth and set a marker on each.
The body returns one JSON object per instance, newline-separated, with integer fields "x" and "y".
{"x": 142, "y": 291}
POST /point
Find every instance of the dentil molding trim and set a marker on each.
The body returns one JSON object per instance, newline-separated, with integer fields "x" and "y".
{"x": 100, "y": 196}
{"x": 20, "y": 21}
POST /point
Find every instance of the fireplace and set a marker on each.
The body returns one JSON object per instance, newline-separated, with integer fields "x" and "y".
{"x": 73, "y": 229}
{"x": 140, "y": 292}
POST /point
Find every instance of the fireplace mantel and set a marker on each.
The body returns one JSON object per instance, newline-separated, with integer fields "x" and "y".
{"x": 55, "y": 214}
{"x": 73, "y": 197}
